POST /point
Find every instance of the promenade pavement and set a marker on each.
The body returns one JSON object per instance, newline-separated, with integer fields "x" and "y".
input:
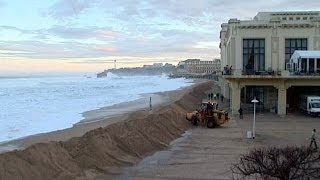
{"x": 204, "y": 153}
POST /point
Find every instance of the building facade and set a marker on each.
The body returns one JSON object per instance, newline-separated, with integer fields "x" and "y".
{"x": 258, "y": 51}
{"x": 196, "y": 66}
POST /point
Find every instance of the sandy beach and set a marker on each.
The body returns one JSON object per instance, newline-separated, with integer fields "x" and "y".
{"x": 99, "y": 118}
{"x": 106, "y": 139}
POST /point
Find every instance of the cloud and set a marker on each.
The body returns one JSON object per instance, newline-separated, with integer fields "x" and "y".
{"x": 68, "y": 8}
{"x": 44, "y": 50}
{"x": 138, "y": 28}
{"x": 12, "y": 28}
{"x": 170, "y": 42}
{"x": 81, "y": 33}
{"x": 76, "y": 33}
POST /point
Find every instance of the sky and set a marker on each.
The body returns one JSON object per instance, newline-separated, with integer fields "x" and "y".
{"x": 55, "y": 36}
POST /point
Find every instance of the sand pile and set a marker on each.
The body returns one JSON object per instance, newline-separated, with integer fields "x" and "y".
{"x": 119, "y": 144}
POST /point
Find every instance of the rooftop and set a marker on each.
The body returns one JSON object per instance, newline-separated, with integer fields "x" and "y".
{"x": 306, "y": 54}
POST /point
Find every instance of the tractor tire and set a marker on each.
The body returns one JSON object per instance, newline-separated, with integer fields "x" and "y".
{"x": 194, "y": 121}
{"x": 210, "y": 124}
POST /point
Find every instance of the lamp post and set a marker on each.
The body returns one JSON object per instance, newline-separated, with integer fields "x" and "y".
{"x": 254, "y": 101}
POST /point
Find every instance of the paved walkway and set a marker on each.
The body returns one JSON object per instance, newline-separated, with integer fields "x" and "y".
{"x": 204, "y": 153}
{"x": 273, "y": 130}
{"x": 201, "y": 153}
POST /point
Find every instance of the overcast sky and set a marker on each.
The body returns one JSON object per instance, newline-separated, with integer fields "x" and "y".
{"x": 87, "y": 35}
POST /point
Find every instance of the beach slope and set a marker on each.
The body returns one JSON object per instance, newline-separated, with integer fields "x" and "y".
{"x": 103, "y": 149}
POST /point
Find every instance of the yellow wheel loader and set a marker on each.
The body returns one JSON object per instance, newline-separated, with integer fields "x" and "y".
{"x": 208, "y": 114}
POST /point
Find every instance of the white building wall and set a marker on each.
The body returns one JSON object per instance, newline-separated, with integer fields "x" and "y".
{"x": 274, "y": 60}
{"x": 274, "y": 27}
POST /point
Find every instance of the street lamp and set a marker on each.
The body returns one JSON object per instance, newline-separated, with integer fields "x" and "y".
{"x": 254, "y": 101}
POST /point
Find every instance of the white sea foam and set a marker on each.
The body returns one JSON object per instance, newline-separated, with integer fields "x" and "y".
{"x": 42, "y": 104}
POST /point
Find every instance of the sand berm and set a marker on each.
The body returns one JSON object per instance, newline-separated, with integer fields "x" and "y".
{"x": 97, "y": 151}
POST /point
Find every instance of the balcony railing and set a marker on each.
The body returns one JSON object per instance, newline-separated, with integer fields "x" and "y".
{"x": 251, "y": 72}
{"x": 261, "y": 73}
{"x": 269, "y": 73}
{"x": 303, "y": 73}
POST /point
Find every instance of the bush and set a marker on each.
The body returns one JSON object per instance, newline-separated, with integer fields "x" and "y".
{"x": 279, "y": 163}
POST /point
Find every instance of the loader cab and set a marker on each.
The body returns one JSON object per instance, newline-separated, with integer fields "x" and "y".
{"x": 205, "y": 105}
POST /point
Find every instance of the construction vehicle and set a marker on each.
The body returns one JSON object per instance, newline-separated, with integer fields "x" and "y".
{"x": 208, "y": 114}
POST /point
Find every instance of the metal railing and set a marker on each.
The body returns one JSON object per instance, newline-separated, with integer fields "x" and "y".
{"x": 251, "y": 72}
{"x": 303, "y": 73}
{"x": 261, "y": 72}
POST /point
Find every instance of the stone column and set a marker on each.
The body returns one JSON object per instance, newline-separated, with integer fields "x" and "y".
{"x": 227, "y": 91}
{"x": 235, "y": 97}
{"x": 274, "y": 63}
{"x": 282, "y": 99}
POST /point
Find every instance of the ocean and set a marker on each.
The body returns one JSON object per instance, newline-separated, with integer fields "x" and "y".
{"x": 33, "y": 105}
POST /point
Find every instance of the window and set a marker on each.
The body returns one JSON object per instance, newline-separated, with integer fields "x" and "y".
{"x": 303, "y": 65}
{"x": 252, "y": 92}
{"x": 305, "y": 18}
{"x": 290, "y": 18}
{"x": 253, "y": 54}
{"x": 284, "y": 18}
{"x": 311, "y": 65}
{"x": 294, "y": 44}
{"x": 297, "y": 18}
{"x": 315, "y": 105}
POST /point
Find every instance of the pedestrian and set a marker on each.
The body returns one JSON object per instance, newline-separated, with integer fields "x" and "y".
{"x": 211, "y": 95}
{"x": 215, "y": 97}
{"x": 228, "y": 70}
{"x": 221, "y": 97}
{"x": 240, "y": 111}
{"x": 150, "y": 104}
{"x": 218, "y": 95}
{"x": 313, "y": 140}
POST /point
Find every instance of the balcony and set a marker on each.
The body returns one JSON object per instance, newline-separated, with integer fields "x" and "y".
{"x": 261, "y": 73}
{"x": 249, "y": 73}
{"x": 303, "y": 69}
{"x": 271, "y": 74}
{"x": 304, "y": 73}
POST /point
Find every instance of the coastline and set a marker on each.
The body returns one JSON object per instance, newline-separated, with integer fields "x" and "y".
{"x": 100, "y": 118}
{"x": 106, "y": 149}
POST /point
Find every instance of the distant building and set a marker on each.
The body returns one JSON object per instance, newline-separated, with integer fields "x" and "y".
{"x": 196, "y": 66}
{"x": 258, "y": 51}
{"x": 154, "y": 69}
{"x": 167, "y": 65}
{"x": 157, "y": 64}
